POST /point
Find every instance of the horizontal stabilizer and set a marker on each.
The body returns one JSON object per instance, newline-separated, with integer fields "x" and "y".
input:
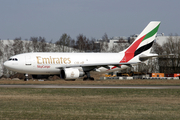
{"x": 146, "y": 57}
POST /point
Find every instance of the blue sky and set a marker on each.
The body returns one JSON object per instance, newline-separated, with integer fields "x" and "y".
{"x": 92, "y": 18}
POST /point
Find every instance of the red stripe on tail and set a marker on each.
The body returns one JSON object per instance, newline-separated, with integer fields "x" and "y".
{"x": 129, "y": 53}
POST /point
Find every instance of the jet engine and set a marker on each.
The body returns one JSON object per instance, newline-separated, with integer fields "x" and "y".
{"x": 71, "y": 73}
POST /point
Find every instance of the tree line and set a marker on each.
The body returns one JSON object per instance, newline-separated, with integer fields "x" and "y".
{"x": 167, "y": 64}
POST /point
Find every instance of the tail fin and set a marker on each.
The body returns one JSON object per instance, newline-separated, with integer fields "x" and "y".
{"x": 143, "y": 43}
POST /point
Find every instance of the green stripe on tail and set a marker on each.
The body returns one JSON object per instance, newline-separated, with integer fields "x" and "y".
{"x": 150, "y": 34}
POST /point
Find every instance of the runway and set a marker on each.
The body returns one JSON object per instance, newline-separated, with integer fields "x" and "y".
{"x": 92, "y": 86}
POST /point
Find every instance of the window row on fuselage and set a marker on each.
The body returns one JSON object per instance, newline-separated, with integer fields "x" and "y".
{"x": 13, "y": 59}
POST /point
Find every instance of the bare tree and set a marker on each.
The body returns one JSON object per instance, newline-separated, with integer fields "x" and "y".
{"x": 104, "y": 47}
{"x": 93, "y": 46}
{"x": 38, "y": 44}
{"x": 73, "y": 45}
{"x": 1, "y": 48}
{"x": 131, "y": 40}
{"x": 171, "y": 64}
{"x": 42, "y": 44}
{"x": 27, "y": 46}
{"x": 6, "y": 55}
{"x": 157, "y": 48}
{"x": 34, "y": 44}
{"x": 18, "y": 46}
{"x": 121, "y": 45}
{"x": 2, "y": 56}
{"x": 63, "y": 43}
{"x": 81, "y": 42}
{"x": 113, "y": 48}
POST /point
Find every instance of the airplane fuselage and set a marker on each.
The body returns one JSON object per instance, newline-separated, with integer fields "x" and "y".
{"x": 48, "y": 63}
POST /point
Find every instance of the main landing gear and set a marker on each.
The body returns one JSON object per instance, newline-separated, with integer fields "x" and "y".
{"x": 26, "y": 77}
{"x": 88, "y": 76}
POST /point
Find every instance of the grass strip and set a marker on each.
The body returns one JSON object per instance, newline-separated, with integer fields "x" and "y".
{"x": 19, "y": 103}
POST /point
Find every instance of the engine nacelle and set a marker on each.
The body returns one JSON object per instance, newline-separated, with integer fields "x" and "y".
{"x": 71, "y": 73}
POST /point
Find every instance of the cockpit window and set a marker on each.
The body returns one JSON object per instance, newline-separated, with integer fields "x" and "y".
{"x": 13, "y": 59}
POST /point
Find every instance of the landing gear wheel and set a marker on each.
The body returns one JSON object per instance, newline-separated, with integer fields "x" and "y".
{"x": 70, "y": 80}
{"x": 85, "y": 78}
{"x": 88, "y": 77}
{"x": 91, "y": 78}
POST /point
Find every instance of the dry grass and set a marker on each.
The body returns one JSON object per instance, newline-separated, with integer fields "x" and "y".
{"x": 40, "y": 104}
{"x": 96, "y": 82}
{"x": 89, "y": 104}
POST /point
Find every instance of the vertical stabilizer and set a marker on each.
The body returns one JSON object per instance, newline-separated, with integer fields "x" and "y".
{"x": 143, "y": 43}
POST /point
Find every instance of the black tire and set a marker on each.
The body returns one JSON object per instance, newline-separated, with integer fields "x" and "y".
{"x": 70, "y": 80}
{"x": 86, "y": 79}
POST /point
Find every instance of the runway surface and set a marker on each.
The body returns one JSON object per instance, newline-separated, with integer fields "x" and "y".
{"x": 91, "y": 86}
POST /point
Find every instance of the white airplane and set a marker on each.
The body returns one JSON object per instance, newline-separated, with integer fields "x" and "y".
{"x": 75, "y": 65}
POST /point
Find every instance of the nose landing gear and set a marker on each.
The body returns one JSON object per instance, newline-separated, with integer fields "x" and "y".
{"x": 26, "y": 77}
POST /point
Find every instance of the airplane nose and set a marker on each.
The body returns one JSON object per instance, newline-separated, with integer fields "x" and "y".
{"x": 12, "y": 65}
{"x": 6, "y": 64}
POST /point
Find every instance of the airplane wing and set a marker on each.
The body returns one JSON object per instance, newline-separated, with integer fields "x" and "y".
{"x": 96, "y": 65}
